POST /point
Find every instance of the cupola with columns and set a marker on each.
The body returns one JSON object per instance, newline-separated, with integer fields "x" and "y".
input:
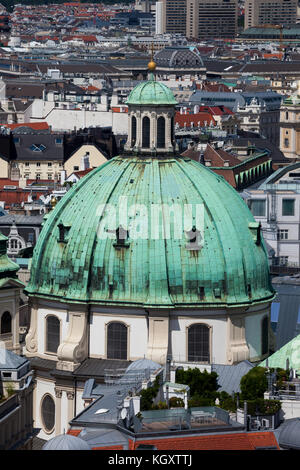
{"x": 151, "y": 110}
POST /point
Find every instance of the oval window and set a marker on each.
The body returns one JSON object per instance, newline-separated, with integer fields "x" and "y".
{"x": 48, "y": 413}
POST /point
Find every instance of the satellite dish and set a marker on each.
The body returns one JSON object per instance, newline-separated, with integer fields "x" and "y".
{"x": 123, "y": 413}
{"x": 101, "y": 410}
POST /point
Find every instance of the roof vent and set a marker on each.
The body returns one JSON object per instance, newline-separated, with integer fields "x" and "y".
{"x": 255, "y": 229}
{"x": 63, "y": 231}
{"x": 122, "y": 238}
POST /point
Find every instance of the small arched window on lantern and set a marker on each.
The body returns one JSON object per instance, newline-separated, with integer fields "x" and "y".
{"x": 133, "y": 131}
{"x": 161, "y": 132}
{"x": 146, "y": 132}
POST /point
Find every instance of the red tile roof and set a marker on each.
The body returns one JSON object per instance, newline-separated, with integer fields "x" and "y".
{"x": 219, "y": 156}
{"x": 197, "y": 119}
{"x": 216, "y": 110}
{"x": 8, "y": 182}
{"x": 33, "y": 125}
{"x": 109, "y": 448}
{"x": 213, "y": 87}
{"x": 82, "y": 173}
{"x": 232, "y": 441}
{"x": 74, "y": 432}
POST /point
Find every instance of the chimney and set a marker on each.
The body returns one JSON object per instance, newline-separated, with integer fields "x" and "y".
{"x": 62, "y": 177}
{"x": 85, "y": 161}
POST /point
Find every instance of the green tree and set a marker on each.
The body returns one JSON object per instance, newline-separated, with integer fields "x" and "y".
{"x": 202, "y": 384}
{"x": 254, "y": 384}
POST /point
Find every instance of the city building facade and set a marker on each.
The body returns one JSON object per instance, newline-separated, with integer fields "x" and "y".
{"x": 269, "y": 12}
{"x": 211, "y": 19}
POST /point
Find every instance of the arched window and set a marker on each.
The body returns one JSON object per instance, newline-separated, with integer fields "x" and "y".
{"x": 265, "y": 336}
{"x": 52, "y": 333}
{"x": 198, "y": 343}
{"x": 6, "y": 323}
{"x": 161, "y": 131}
{"x": 146, "y": 132}
{"x": 116, "y": 341}
{"x": 48, "y": 413}
{"x": 133, "y": 130}
{"x": 172, "y": 130}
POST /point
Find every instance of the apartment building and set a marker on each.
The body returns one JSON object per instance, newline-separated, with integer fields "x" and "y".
{"x": 174, "y": 17}
{"x": 211, "y": 19}
{"x": 276, "y": 12}
{"x": 276, "y": 205}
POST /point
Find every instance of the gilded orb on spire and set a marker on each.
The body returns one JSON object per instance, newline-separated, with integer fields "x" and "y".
{"x": 151, "y": 64}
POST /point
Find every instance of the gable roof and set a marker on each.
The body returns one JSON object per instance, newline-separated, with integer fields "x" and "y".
{"x": 219, "y": 156}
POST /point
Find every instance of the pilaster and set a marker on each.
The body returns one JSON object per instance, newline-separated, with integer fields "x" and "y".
{"x": 158, "y": 342}
{"x": 237, "y": 349}
{"x": 70, "y": 397}
{"x": 58, "y": 395}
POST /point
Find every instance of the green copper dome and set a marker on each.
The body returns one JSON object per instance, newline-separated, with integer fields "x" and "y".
{"x": 73, "y": 263}
{"x": 151, "y": 93}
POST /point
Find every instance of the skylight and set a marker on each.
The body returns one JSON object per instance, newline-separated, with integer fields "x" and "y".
{"x": 37, "y": 148}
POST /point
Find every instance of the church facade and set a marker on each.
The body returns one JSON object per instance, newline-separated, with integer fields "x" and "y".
{"x": 150, "y": 255}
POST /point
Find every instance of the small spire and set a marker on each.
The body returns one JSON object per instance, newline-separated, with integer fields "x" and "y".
{"x": 151, "y": 64}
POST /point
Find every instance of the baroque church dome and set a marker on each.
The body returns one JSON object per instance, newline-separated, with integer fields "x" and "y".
{"x": 151, "y": 93}
{"x": 73, "y": 263}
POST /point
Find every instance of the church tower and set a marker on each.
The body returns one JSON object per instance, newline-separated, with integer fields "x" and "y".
{"x": 151, "y": 110}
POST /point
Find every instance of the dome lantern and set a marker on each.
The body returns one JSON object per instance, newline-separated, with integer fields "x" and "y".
{"x": 151, "y": 110}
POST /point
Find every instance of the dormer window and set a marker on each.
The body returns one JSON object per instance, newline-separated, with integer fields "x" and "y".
{"x": 122, "y": 236}
{"x": 63, "y": 232}
{"x": 194, "y": 237}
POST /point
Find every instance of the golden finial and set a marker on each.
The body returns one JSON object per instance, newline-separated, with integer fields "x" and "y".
{"x": 152, "y": 64}
{"x": 53, "y": 202}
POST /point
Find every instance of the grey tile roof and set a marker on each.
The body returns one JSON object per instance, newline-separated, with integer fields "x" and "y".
{"x": 178, "y": 56}
{"x": 103, "y": 437}
{"x": 49, "y": 151}
{"x": 111, "y": 396}
{"x": 229, "y": 377}
{"x": 10, "y": 360}
{"x": 93, "y": 367}
{"x": 21, "y": 219}
{"x": 39, "y": 363}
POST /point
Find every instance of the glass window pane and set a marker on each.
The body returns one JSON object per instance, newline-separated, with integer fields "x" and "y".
{"x": 161, "y": 129}
{"x": 198, "y": 343}
{"x": 258, "y": 207}
{"x": 288, "y": 206}
{"x": 53, "y": 334}
{"x": 117, "y": 341}
{"x": 48, "y": 412}
{"x": 146, "y": 132}
{"x": 133, "y": 130}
